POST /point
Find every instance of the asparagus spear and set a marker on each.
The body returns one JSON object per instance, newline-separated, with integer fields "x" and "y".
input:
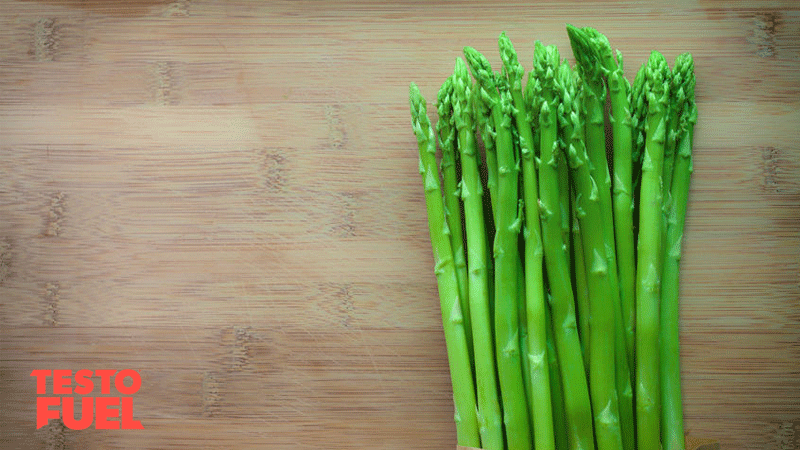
{"x": 564, "y": 199}
{"x": 672, "y": 410}
{"x": 596, "y": 59}
{"x": 623, "y": 286}
{"x": 452, "y": 319}
{"x": 521, "y": 294}
{"x": 446, "y": 134}
{"x": 489, "y": 416}
{"x": 638, "y": 102}
{"x": 619, "y": 89}
{"x": 556, "y": 390}
{"x": 506, "y": 257}
{"x": 675, "y": 104}
{"x": 586, "y": 46}
{"x": 579, "y": 273}
{"x": 541, "y": 407}
{"x": 677, "y": 99}
{"x": 622, "y": 143}
{"x": 602, "y": 387}
{"x": 648, "y": 275}
{"x": 485, "y": 124}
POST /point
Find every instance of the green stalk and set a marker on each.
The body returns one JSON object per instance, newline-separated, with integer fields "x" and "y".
{"x": 567, "y": 93}
{"x": 503, "y": 87}
{"x": 622, "y": 225}
{"x": 672, "y": 430}
{"x": 556, "y": 390}
{"x": 541, "y": 407}
{"x": 626, "y": 256}
{"x": 648, "y": 275}
{"x": 587, "y": 44}
{"x": 638, "y": 102}
{"x": 577, "y": 405}
{"x": 675, "y": 105}
{"x": 602, "y": 385}
{"x": 506, "y": 257}
{"x": 564, "y": 198}
{"x": 489, "y": 415}
{"x": 446, "y": 133}
{"x": 595, "y": 58}
{"x": 624, "y": 385}
{"x": 601, "y": 359}
{"x": 452, "y": 319}
{"x": 485, "y": 124}
{"x": 622, "y": 144}
{"x": 581, "y": 286}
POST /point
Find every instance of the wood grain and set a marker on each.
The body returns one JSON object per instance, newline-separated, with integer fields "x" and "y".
{"x": 225, "y": 197}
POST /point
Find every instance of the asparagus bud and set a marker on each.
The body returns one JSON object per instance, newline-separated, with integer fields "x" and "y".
{"x": 444, "y": 269}
{"x": 648, "y": 274}
{"x": 489, "y": 415}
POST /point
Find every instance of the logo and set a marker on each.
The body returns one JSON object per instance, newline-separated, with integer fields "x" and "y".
{"x": 108, "y": 409}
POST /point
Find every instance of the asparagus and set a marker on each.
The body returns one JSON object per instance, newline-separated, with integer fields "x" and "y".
{"x": 677, "y": 98}
{"x": 485, "y": 124}
{"x": 446, "y": 134}
{"x": 556, "y": 390}
{"x": 610, "y": 250}
{"x": 489, "y": 416}
{"x": 506, "y": 258}
{"x": 602, "y": 387}
{"x": 503, "y": 87}
{"x": 638, "y": 102}
{"x": 540, "y": 391}
{"x": 622, "y": 200}
{"x": 564, "y": 199}
{"x": 596, "y": 59}
{"x": 619, "y": 89}
{"x": 587, "y": 45}
{"x": 648, "y": 276}
{"x": 452, "y": 319}
{"x": 672, "y": 410}
{"x": 579, "y": 273}
{"x": 577, "y": 406}
{"x": 674, "y": 106}
{"x": 621, "y": 239}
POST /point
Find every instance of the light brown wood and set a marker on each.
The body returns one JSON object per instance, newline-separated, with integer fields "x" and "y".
{"x": 225, "y": 197}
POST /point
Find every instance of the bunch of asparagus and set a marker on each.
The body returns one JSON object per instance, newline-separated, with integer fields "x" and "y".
{"x": 559, "y": 292}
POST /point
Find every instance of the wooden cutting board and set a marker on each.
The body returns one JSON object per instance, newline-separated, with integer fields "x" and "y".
{"x": 224, "y": 196}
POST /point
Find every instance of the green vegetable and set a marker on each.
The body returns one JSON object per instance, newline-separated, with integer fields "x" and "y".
{"x": 554, "y": 236}
{"x": 648, "y": 274}
{"x": 489, "y": 414}
{"x": 447, "y": 143}
{"x": 601, "y": 352}
{"x": 622, "y": 143}
{"x": 580, "y": 284}
{"x": 573, "y": 375}
{"x": 588, "y": 46}
{"x": 620, "y": 240}
{"x": 592, "y": 50}
{"x": 638, "y": 102}
{"x": 538, "y": 374}
{"x": 485, "y": 124}
{"x": 672, "y": 411}
{"x": 506, "y": 258}
{"x": 444, "y": 267}
{"x": 556, "y": 390}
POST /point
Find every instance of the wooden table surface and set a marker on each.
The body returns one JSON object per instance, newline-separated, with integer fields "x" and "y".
{"x": 224, "y": 196}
